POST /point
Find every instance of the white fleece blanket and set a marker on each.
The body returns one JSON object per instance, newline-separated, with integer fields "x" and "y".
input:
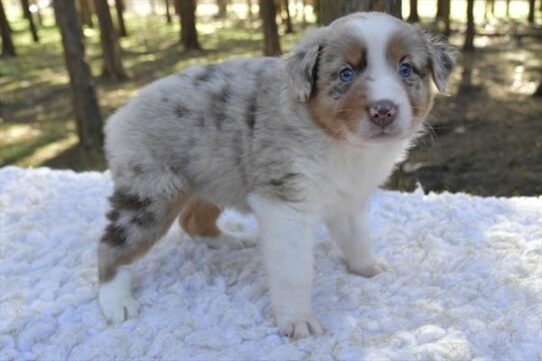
{"x": 464, "y": 283}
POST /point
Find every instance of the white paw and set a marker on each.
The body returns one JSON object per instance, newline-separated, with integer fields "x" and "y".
{"x": 300, "y": 327}
{"x": 233, "y": 226}
{"x": 369, "y": 267}
{"x": 116, "y": 299}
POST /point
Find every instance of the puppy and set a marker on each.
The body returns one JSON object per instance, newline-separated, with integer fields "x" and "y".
{"x": 297, "y": 141}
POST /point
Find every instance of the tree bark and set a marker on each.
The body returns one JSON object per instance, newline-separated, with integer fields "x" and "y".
{"x": 469, "y": 34}
{"x": 8, "y": 49}
{"x": 392, "y": 7}
{"x": 438, "y": 15}
{"x": 113, "y": 68}
{"x": 303, "y": 17}
{"x": 28, "y": 16}
{"x": 289, "y": 27}
{"x": 268, "y": 13}
{"x": 327, "y": 10}
{"x": 446, "y": 17}
{"x": 119, "y": 7}
{"x": 250, "y": 16}
{"x": 189, "y": 33}
{"x": 413, "y": 17}
{"x": 530, "y": 17}
{"x": 176, "y": 7}
{"x": 86, "y": 13}
{"x": 330, "y": 10}
{"x": 85, "y": 103}
{"x": 38, "y": 12}
{"x": 168, "y": 12}
{"x": 222, "y": 8}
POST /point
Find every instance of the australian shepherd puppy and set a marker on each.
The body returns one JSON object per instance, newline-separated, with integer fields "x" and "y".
{"x": 298, "y": 140}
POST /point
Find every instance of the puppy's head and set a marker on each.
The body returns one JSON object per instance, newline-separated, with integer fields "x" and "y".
{"x": 367, "y": 76}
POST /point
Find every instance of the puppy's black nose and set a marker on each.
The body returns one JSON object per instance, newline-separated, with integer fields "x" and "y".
{"x": 382, "y": 112}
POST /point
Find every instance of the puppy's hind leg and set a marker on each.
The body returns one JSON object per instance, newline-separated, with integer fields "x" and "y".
{"x": 136, "y": 223}
{"x": 199, "y": 220}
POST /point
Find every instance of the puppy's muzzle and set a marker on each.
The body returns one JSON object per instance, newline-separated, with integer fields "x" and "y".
{"x": 382, "y": 113}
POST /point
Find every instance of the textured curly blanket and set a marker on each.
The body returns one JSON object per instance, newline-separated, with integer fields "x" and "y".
{"x": 464, "y": 283}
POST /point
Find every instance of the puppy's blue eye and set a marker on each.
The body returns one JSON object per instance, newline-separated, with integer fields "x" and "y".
{"x": 346, "y": 75}
{"x": 405, "y": 69}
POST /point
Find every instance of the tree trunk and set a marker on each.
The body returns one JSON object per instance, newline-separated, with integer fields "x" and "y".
{"x": 222, "y": 8}
{"x": 168, "y": 12}
{"x": 303, "y": 17}
{"x": 176, "y": 7}
{"x": 538, "y": 91}
{"x": 469, "y": 35}
{"x": 153, "y": 7}
{"x": 330, "y": 10}
{"x": 530, "y": 17}
{"x": 268, "y": 13}
{"x": 316, "y": 11}
{"x": 85, "y": 103}
{"x": 86, "y": 13}
{"x": 413, "y": 17}
{"x": 327, "y": 11}
{"x": 28, "y": 16}
{"x": 289, "y": 27}
{"x": 392, "y": 7}
{"x": 250, "y": 16}
{"x": 446, "y": 17}
{"x": 489, "y": 10}
{"x": 189, "y": 33}
{"x": 8, "y": 49}
{"x": 438, "y": 15}
{"x": 38, "y": 12}
{"x": 507, "y": 9}
{"x": 119, "y": 6}
{"x": 443, "y": 15}
{"x": 113, "y": 68}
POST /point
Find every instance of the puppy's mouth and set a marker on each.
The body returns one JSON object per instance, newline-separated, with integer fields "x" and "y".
{"x": 391, "y": 132}
{"x": 383, "y": 134}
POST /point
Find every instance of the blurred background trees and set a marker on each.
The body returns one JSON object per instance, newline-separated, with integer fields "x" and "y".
{"x": 268, "y": 13}
{"x": 8, "y": 49}
{"x": 85, "y": 103}
{"x": 107, "y": 49}
{"x": 25, "y": 5}
{"x": 111, "y": 51}
{"x": 189, "y": 33}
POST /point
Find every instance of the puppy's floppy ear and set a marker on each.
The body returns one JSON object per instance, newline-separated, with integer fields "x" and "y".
{"x": 443, "y": 57}
{"x": 301, "y": 65}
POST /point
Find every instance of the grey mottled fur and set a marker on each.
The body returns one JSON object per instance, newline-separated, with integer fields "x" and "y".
{"x": 218, "y": 132}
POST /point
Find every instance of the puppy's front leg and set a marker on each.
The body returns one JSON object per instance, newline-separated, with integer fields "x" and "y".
{"x": 287, "y": 245}
{"x": 349, "y": 230}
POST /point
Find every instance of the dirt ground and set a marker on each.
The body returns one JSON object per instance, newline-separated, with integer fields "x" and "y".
{"x": 486, "y": 138}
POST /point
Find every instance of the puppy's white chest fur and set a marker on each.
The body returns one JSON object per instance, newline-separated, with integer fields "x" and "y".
{"x": 350, "y": 174}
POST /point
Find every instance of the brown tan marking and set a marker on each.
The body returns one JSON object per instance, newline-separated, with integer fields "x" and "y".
{"x": 199, "y": 218}
{"x": 339, "y": 115}
{"x": 418, "y": 89}
{"x": 409, "y": 43}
